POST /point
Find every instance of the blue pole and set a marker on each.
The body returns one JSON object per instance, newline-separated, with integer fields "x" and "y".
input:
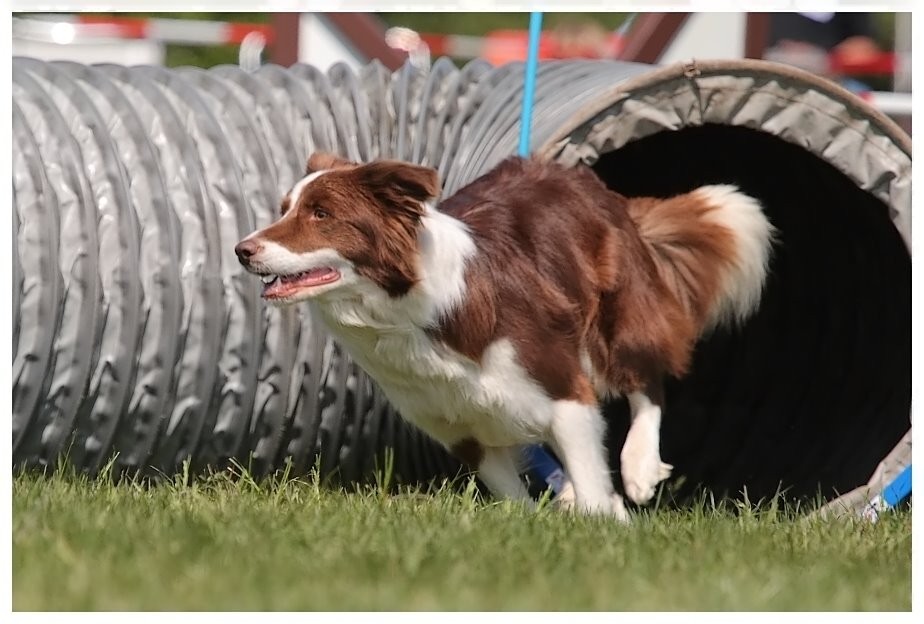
{"x": 529, "y": 88}
{"x": 541, "y": 462}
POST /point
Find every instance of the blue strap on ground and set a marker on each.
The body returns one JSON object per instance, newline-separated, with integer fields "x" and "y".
{"x": 899, "y": 489}
{"x": 543, "y": 465}
{"x": 540, "y": 461}
{"x": 891, "y": 496}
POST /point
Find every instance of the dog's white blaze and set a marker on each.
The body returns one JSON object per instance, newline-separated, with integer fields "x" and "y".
{"x": 300, "y": 186}
{"x": 292, "y": 196}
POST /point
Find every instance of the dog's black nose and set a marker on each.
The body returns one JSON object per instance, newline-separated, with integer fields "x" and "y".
{"x": 246, "y": 249}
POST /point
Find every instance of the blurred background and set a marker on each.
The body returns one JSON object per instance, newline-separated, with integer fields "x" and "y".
{"x": 868, "y": 53}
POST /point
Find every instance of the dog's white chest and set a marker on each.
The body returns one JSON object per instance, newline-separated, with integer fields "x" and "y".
{"x": 446, "y": 394}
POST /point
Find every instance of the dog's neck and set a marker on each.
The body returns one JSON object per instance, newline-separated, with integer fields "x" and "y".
{"x": 444, "y": 247}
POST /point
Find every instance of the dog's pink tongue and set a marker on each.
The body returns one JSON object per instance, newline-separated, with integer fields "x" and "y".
{"x": 288, "y": 284}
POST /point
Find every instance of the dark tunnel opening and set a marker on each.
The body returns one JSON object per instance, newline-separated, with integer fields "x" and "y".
{"x": 815, "y": 390}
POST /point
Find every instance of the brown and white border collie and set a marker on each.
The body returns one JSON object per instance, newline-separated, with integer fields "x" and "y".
{"x": 501, "y": 316}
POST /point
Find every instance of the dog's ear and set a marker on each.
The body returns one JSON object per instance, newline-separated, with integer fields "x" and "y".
{"x": 401, "y": 185}
{"x": 320, "y": 161}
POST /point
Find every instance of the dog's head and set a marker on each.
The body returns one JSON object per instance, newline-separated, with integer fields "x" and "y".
{"x": 342, "y": 223}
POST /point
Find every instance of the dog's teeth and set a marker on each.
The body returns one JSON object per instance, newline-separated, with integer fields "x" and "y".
{"x": 268, "y": 278}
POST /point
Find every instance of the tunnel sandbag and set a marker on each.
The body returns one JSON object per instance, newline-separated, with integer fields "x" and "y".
{"x": 137, "y": 335}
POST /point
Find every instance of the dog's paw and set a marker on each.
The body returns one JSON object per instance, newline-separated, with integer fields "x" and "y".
{"x": 642, "y": 468}
{"x": 565, "y": 500}
{"x": 641, "y": 488}
{"x": 642, "y": 478}
{"x": 665, "y": 471}
{"x": 619, "y": 509}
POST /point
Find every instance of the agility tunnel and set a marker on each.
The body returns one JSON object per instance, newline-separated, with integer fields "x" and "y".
{"x": 137, "y": 335}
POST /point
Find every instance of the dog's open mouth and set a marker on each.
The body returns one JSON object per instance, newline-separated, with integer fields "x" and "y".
{"x": 283, "y": 286}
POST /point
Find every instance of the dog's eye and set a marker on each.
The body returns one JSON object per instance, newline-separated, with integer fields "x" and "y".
{"x": 319, "y": 214}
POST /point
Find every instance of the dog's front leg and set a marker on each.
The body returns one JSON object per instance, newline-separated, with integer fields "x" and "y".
{"x": 577, "y": 436}
{"x": 640, "y": 458}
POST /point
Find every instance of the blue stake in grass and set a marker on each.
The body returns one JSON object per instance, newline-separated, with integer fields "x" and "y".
{"x": 540, "y": 461}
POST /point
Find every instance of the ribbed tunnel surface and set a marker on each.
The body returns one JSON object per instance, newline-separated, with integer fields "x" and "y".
{"x": 136, "y": 333}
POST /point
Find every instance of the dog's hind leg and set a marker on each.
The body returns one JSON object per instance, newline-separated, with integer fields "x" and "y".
{"x": 577, "y": 432}
{"x": 640, "y": 458}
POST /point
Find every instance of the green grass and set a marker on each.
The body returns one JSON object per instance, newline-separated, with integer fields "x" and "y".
{"x": 225, "y": 544}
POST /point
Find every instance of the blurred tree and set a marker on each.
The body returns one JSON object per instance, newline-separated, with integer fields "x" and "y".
{"x": 204, "y": 55}
{"x": 481, "y": 23}
{"x": 884, "y": 24}
{"x": 450, "y": 23}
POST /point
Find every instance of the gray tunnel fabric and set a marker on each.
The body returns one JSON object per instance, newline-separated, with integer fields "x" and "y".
{"x": 813, "y": 114}
{"x": 137, "y": 334}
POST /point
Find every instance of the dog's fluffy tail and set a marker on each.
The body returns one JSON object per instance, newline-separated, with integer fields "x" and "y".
{"x": 711, "y": 247}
